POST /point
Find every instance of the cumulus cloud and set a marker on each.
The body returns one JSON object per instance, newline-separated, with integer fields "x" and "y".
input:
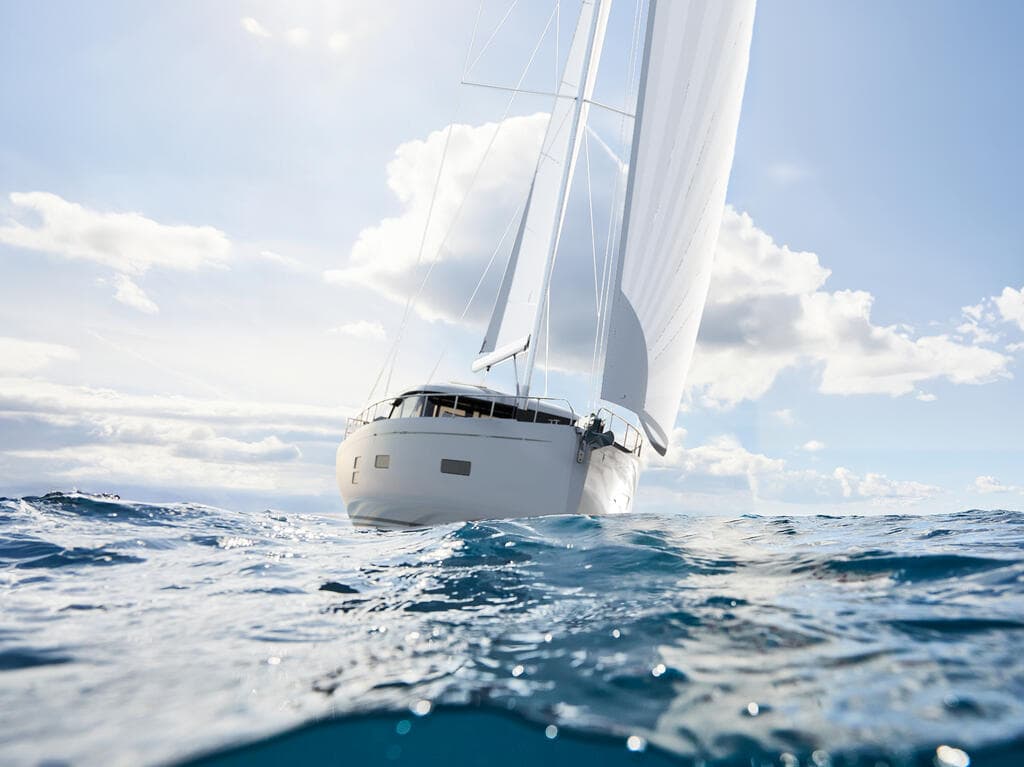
{"x": 44, "y": 398}
{"x": 130, "y": 294}
{"x": 363, "y": 330}
{"x": 985, "y": 321}
{"x": 989, "y": 484}
{"x": 177, "y": 442}
{"x": 384, "y": 256}
{"x": 768, "y": 309}
{"x": 767, "y": 312}
{"x": 159, "y": 466}
{"x": 722, "y": 456}
{"x": 18, "y": 356}
{"x": 128, "y": 243}
{"x": 253, "y": 27}
{"x": 771, "y": 479}
{"x": 1011, "y": 305}
{"x": 880, "y": 488}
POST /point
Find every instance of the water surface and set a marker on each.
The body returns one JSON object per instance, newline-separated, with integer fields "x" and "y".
{"x": 135, "y": 633}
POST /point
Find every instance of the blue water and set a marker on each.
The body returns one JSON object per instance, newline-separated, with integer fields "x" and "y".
{"x": 134, "y": 633}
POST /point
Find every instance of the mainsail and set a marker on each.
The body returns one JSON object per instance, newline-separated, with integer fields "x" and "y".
{"x": 516, "y": 316}
{"x": 691, "y": 87}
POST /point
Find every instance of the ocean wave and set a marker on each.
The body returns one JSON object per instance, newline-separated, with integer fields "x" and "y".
{"x": 859, "y": 638}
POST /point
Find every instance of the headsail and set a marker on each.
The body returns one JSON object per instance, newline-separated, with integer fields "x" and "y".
{"x": 516, "y": 316}
{"x": 691, "y": 88}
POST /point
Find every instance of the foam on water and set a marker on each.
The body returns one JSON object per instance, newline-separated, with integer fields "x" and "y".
{"x": 141, "y": 633}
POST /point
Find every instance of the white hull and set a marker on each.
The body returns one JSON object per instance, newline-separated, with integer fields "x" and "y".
{"x": 516, "y": 469}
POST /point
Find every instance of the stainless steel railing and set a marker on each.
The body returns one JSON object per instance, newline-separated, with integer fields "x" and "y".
{"x": 386, "y": 408}
{"x": 627, "y": 436}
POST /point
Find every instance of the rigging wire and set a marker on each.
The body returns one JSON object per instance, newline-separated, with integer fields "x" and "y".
{"x": 593, "y": 235}
{"x": 472, "y": 39}
{"x": 615, "y": 221}
{"x": 391, "y": 359}
{"x": 419, "y": 256}
{"x": 547, "y": 296}
{"x": 490, "y": 39}
{"x": 479, "y": 283}
{"x": 547, "y": 338}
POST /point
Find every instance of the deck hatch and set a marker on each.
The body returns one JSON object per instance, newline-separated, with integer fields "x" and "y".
{"x": 451, "y": 466}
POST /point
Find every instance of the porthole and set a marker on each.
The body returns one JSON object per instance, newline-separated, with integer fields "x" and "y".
{"x": 382, "y": 461}
{"x": 355, "y": 477}
{"x": 355, "y": 462}
{"x": 450, "y": 466}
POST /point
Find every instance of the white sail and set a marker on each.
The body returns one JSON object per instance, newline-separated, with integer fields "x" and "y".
{"x": 691, "y": 88}
{"x": 516, "y": 316}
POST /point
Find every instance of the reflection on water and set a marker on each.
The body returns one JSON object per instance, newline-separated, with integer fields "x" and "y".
{"x": 135, "y": 632}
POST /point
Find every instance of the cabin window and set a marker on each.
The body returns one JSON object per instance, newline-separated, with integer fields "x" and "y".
{"x": 355, "y": 462}
{"x": 355, "y": 477}
{"x": 439, "y": 405}
{"x": 411, "y": 407}
{"x": 450, "y": 466}
{"x": 382, "y": 461}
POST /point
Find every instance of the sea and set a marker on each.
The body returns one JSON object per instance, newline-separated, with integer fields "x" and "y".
{"x": 134, "y": 633}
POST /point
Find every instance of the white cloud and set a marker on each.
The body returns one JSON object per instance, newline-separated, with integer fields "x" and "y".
{"x": 1011, "y": 305}
{"x": 132, "y": 295}
{"x": 1015, "y": 347}
{"x": 763, "y": 478}
{"x": 43, "y": 398}
{"x": 169, "y": 441}
{"x": 297, "y": 36}
{"x": 767, "y": 312}
{"x": 926, "y": 397}
{"x": 129, "y": 243}
{"x": 253, "y": 27}
{"x": 281, "y": 260}
{"x": 384, "y": 256}
{"x": 18, "y": 356}
{"x": 813, "y": 446}
{"x": 161, "y": 466}
{"x": 881, "y": 488}
{"x": 989, "y": 484}
{"x": 227, "y": 449}
{"x": 363, "y": 330}
{"x": 722, "y": 456}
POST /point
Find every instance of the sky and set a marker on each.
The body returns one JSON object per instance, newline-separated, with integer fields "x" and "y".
{"x": 211, "y": 217}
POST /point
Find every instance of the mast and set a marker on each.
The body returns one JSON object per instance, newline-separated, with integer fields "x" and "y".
{"x": 522, "y": 299}
{"x": 581, "y": 109}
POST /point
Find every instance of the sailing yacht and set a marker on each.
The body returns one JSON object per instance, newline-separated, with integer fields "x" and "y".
{"x": 455, "y": 452}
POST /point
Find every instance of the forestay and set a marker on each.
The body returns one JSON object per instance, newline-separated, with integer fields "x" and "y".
{"x": 691, "y": 87}
{"x": 517, "y": 311}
